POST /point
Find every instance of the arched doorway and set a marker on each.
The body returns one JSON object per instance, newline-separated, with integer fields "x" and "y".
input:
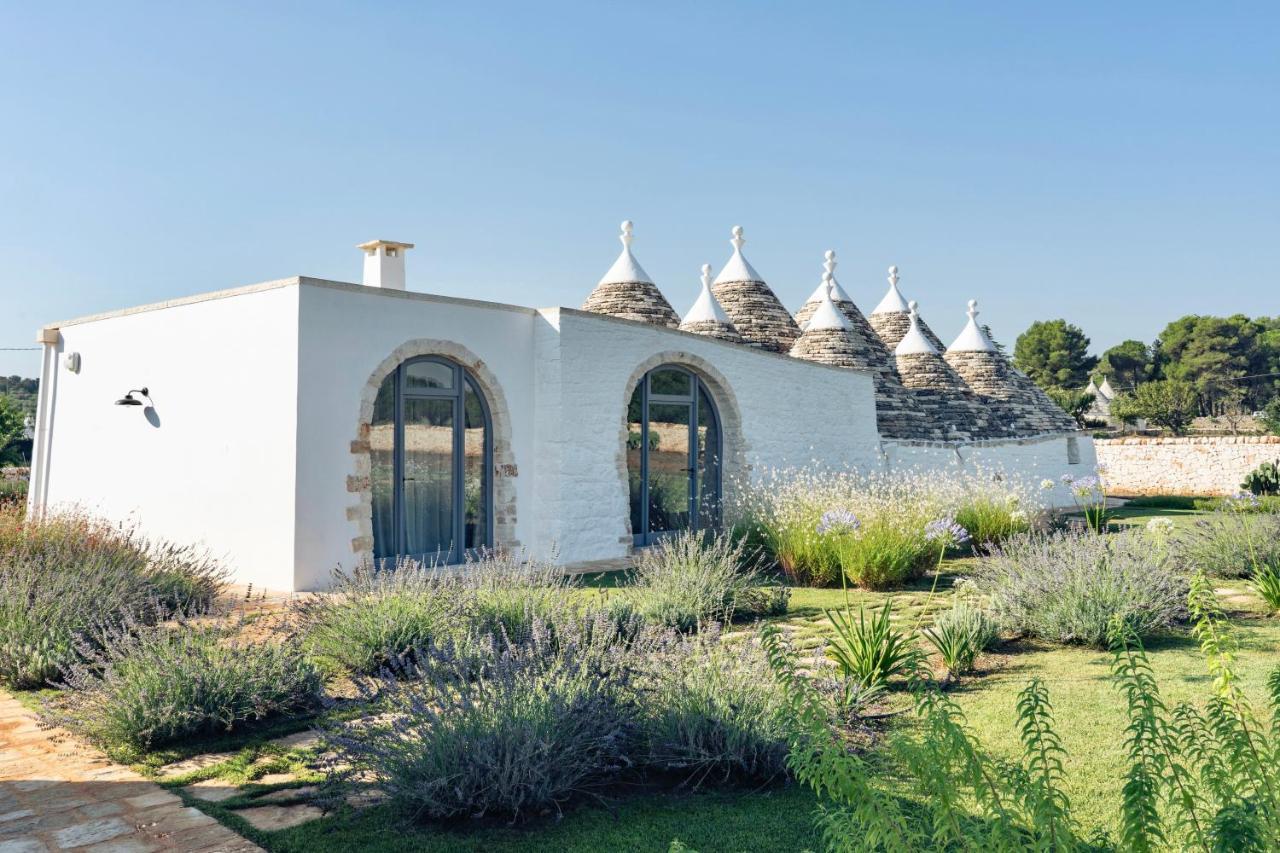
{"x": 674, "y": 455}
{"x": 431, "y": 463}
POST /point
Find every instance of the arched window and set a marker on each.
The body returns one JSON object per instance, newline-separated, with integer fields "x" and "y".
{"x": 431, "y": 456}
{"x": 674, "y": 453}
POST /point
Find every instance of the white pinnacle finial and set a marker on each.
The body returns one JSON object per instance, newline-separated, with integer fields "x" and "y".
{"x": 829, "y": 283}
{"x": 972, "y": 337}
{"x": 626, "y": 268}
{"x": 893, "y": 302}
{"x": 893, "y": 276}
{"x": 737, "y": 239}
{"x": 829, "y": 261}
{"x": 828, "y": 316}
{"x": 914, "y": 342}
{"x": 706, "y": 276}
{"x": 737, "y": 267}
{"x": 706, "y": 309}
{"x": 625, "y": 237}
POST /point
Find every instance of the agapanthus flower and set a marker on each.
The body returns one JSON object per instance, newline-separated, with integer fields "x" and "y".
{"x": 1067, "y": 479}
{"x": 838, "y": 521}
{"x": 1160, "y": 526}
{"x": 1244, "y": 500}
{"x": 1047, "y": 484}
{"x": 946, "y": 531}
{"x": 1085, "y": 486}
{"x": 1018, "y": 517}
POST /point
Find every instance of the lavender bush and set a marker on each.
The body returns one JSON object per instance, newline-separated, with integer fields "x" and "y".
{"x": 1067, "y": 587}
{"x": 64, "y": 575}
{"x": 143, "y": 686}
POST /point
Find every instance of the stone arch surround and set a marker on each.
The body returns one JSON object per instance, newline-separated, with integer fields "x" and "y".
{"x": 504, "y": 466}
{"x": 735, "y": 467}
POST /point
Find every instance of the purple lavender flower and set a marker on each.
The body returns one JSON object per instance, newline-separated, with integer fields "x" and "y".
{"x": 838, "y": 521}
{"x": 946, "y": 531}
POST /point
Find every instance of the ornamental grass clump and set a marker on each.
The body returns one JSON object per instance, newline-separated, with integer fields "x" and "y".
{"x": 959, "y": 635}
{"x": 521, "y": 731}
{"x": 507, "y": 592}
{"x": 1068, "y": 587}
{"x": 795, "y": 516}
{"x": 712, "y": 713}
{"x": 693, "y": 579}
{"x": 373, "y": 615}
{"x": 139, "y": 686}
{"x": 64, "y": 575}
{"x": 1232, "y": 542}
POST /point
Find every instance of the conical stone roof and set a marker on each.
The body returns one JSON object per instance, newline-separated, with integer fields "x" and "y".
{"x": 938, "y": 389}
{"x": 897, "y": 415}
{"x": 752, "y": 307}
{"x": 891, "y": 318}
{"x": 1015, "y": 401}
{"x": 706, "y": 317}
{"x": 627, "y": 291}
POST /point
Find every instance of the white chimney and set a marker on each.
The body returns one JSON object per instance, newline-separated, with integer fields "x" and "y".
{"x": 384, "y": 263}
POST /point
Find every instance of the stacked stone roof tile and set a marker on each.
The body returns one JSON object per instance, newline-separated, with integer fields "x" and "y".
{"x": 966, "y": 392}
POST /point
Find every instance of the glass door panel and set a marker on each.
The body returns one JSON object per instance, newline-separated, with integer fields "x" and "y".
{"x": 474, "y": 499}
{"x": 382, "y": 469}
{"x": 669, "y": 471}
{"x": 635, "y": 459}
{"x": 707, "y": 486}
{"x": 428, "y": 457}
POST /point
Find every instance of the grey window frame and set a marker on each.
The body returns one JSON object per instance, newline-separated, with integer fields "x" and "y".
{"x": 697, "y": 389}
{"x": 462, "y": 380}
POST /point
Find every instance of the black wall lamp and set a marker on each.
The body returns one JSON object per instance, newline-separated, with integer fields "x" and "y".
{"x": 130, "y": 400}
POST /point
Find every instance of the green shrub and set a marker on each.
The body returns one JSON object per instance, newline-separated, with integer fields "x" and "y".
{"x": 371, "y": 616}
{"x": 992, "y": 518}
{"x": 1164, "y": 502}
{"x": 869, "y": 650}
{"x": 960, "y": 635}
{"x": 1263, "y": 480}
{"x": 13, "y": 495}
{"x": 146, "y": 686}
{"x": 66, "y": 574}
{"x": 1199, "y": 777}
{"x": 1228, "y": 543}
{"x": 1267, "y": 585}
{"x": 883, "y": 555}
{"x": 1068, "y": 587}
{"x": 536, "y": 723}
{"x": 506, "y": 592}
{"x": 690, "y": 579}
{"x": 712, "y": 712}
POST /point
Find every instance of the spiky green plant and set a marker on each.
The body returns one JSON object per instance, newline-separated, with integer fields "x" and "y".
{"x": 868, "y": 649}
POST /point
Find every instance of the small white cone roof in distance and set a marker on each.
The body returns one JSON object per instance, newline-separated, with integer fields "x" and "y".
{"x": 893, "y": 302}
{"x": 914, "y": 342}
{"x": 737, "y": 268}
{"x": 706, "y": 308}
{"x": 972, "y": 338}
{"x": 828, "y": 316}
{"x": 626, "y": 268}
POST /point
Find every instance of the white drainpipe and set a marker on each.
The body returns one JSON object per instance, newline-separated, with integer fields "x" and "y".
{"x": 37, "y": 495}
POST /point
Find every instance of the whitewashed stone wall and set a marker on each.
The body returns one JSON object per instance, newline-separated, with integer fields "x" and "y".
{"x": 1193, "y": 465}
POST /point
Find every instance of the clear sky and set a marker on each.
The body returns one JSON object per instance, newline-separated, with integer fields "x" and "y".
{"x": 1117, "y": 164}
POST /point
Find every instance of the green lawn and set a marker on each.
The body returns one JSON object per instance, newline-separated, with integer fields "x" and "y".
{"x": 1089, "y": 713}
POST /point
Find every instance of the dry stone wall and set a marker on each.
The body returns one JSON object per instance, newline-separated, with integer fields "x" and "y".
{"x": 1197, "y": 465}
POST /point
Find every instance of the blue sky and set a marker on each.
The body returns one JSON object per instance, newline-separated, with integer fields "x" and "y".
{"x": 1114, "y": 164}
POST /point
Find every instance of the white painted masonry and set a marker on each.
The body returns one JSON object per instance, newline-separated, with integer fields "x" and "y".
{"x": 256, "y": 444}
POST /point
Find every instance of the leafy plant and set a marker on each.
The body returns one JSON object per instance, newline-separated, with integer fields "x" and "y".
{"x": 1073, "y": 402}
{"x": 1263, "y": 480}
{"x": 516, "y": 733}
{"x": 712, "y": 712}
{"x": 692, "y": 579}
{"x": 143, "y": 686}
{"x": 1169, "y": 403}
{"x": 1068, "y": 587}
{"x": 371, "y": 616}
{"x": 960, "y": 635}
{"x": 991, "y": 518}
{"x": 869, "y": 649}
{"x": 1229, "y": 542}
{"x": 1266, "y": 584}
{"x": 507, "y": 593}
{"x": 64, "y": 575}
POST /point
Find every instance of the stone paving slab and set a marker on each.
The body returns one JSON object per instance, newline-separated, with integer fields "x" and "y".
{"x": 59, "y": 794}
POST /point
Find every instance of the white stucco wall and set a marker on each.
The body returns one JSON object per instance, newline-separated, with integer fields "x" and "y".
{"x": 212, "y": 463}
{"x": 1030, "y": 459}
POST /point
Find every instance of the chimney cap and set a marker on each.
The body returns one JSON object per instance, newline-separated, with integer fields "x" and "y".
{"x": 390, "y": 244}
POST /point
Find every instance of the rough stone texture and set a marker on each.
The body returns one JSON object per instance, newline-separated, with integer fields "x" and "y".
{"x": 892, "y": 327}
{"x": 713, "y": 329}
{"x": 1192, "y": 465}
{"x": 1011, "y": 395}
{"x": 273, "y": 818}
{"x": 57, "y": 793}
{"x": 757, "y": 315}
{"x": 943, "y": 396}
{"x": 632, "y": 300}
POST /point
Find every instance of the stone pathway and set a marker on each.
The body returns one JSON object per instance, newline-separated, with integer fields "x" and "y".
{"x": 58, "y": 794}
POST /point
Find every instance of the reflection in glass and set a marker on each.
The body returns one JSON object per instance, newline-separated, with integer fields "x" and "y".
{"x": 382, "y": 468}
{"x": 670, "y": 382}
{"x": 428, "y": 375}
{"x": 669, "y": 466}
{"x": 428, "y": 475}
{"x": 475, "y": 501}
{"x": 709, "y": 466}
{"x": 635, "y": 440}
